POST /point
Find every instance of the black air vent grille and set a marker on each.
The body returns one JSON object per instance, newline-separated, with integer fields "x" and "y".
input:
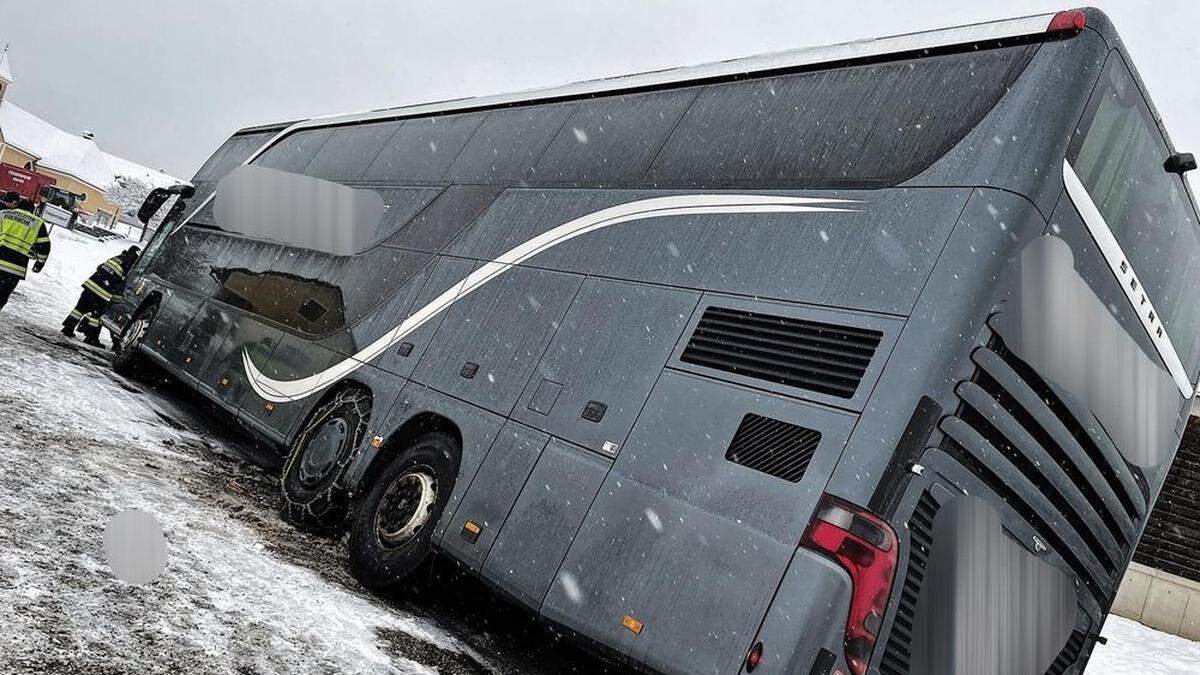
{"x": 777, "y": 448}
{"x": 897, "y": 656}
{"x": 1069, "y": 654}
{"x": 821, "y": 357}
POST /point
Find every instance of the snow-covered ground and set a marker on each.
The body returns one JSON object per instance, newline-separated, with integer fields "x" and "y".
{"x": 1134, "y": 648}
{"x": 241, "y": 592}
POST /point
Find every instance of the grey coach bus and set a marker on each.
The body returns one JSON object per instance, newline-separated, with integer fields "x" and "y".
{"x": 867, "y": 358}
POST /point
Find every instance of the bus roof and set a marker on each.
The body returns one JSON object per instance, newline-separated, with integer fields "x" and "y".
{"x": 855, "y": 51}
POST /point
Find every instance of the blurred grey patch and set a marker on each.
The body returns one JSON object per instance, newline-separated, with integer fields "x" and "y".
{"x": 298, "y": 210}
{"x": 135, "y": 547}
{"x": 988, "y": 606}
{"x": 1063, "y": 329}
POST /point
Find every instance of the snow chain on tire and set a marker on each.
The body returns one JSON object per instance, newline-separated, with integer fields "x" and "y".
{"x": 328, "y": 507}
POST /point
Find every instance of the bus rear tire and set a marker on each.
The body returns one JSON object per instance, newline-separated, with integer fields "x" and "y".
{"x": 313, "y": 498}
{"x": 128, "y": 359}
{"x": 391, "y": 529}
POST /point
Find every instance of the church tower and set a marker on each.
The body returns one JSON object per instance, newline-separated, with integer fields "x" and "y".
{"x": 6, "y": 78}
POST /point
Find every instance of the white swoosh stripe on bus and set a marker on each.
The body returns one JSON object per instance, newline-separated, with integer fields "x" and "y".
{"x": 282, "y": 391}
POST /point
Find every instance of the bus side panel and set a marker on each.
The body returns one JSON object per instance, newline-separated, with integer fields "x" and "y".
{"x": 492, "y": 338}
{"x": 477, "y": 426}
{"x": 491, "y": 495}
{"x": 937, "y": 340}
{"x": 166, "y": 335}
{"x": 871, "y": 253}
{"x": 543, "y": 522}
{"x": 805, "y": 617}
{"x": 610, "y": 349}
{"x": 673, "y": 502}
{"x": 204, "y": 336}
{"x": 293, "y": 358}
{"x": 402, "y": 358}
{"x": 225, "y": 376}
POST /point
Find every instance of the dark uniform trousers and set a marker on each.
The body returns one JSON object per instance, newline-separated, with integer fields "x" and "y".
{"x": 8, "y": 283}
{"x": 98, "y": 291}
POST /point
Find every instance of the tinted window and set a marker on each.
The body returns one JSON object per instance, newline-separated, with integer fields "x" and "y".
{"x": 613, "y": 139}
{"x": 238, "y": 273}
{"x": 508, "y": 143}
{"x": 233, "y": 153}
{"x": 859, "y": 126}
{"x": 292, "y": 293}
{"x": 295, "y": 151}
{"x": 400, "y": 205}
{"x": 366, "y": 280}
{"x": 422, "y": 150}
{"x": 348, "y": 152}
{"x": 1119, "y": 155}
{"x": 440, "y": 222}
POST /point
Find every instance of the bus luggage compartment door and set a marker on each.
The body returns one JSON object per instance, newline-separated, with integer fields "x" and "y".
{"x": 689, "y": 544}
{"x": 545, "y": 518}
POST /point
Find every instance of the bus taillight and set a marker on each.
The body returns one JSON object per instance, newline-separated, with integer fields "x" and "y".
{"x": 865, "y": 546}
{"x": 1070, "y": 20}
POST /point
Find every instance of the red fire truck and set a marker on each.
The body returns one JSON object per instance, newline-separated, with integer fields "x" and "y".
{"x": 23, "y": 181}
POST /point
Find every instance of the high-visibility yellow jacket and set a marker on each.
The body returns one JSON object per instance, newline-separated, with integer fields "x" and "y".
{"x": 23, "y": 237}
{"x": 108, "y": 279}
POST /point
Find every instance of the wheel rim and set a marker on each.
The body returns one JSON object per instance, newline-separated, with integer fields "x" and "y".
{"x": 134, "y": 334}
{"x": 405, "y": 507}
{"x": 323, "y": 451}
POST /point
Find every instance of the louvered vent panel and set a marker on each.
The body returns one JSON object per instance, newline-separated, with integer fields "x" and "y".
{"x": 773, "y": 447}
{"x": 821, "y": 357}
{"x": 897, "y": 656}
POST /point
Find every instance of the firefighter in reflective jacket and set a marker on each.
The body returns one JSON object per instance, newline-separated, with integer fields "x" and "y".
{"x": 23, "y": 237}
{"x": 98, "y": 291}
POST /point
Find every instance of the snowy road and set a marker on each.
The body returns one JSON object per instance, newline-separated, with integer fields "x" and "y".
{"x": 242, "y": 593}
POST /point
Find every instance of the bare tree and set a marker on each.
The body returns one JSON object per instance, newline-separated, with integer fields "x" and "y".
{"x": 128, "y": 193}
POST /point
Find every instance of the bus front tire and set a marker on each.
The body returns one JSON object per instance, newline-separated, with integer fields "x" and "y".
{"x": 127, "y": 358}
{"x": 391, "y": 529}
{"x": 313, "y": 498}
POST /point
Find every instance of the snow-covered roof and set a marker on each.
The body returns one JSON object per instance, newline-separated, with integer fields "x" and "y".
{"x": 122, "y": 167}
{"x": 56, "y": 149}
{"x": 5, "y": 69}
{"x": 69, "y": 153}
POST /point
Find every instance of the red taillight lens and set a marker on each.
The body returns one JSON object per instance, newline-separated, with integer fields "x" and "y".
{"x": 754, "y": 658}
{"x": 1072, "y": 20}
{"x": 865, "y": 546}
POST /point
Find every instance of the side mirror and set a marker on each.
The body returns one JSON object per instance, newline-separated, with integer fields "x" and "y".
{"x": 152, "y": 204}
{"x": 1180, "y": 163}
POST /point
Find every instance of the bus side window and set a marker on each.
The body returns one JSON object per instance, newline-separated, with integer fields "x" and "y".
{"x": 612, "y": 139}
{"x": 294, "y": 153}
{"x": 349, "y": 151}
{"x": 422, "y": 149}
{"x": 508, "y": 143}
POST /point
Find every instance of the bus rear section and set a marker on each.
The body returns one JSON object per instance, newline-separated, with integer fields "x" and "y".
{"x": 762, "y": 367}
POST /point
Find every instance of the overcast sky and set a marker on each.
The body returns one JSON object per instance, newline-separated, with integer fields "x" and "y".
{"x": 164, "y": 82}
